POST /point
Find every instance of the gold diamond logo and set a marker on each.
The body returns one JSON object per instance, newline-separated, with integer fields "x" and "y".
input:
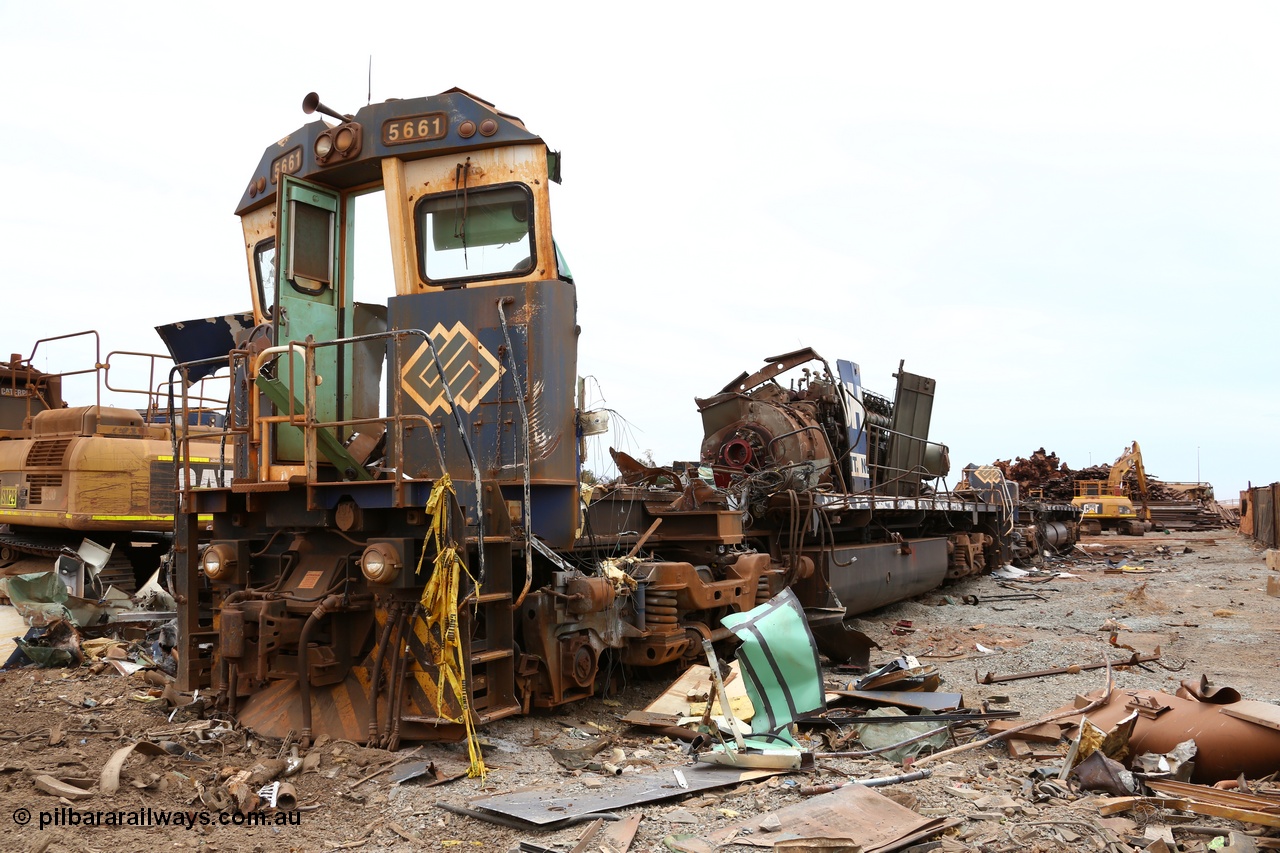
{"x": 470, "y": 369}
{"x": 988, "y": 474}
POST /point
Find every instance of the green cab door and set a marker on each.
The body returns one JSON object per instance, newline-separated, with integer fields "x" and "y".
{"x": 312, "y": 299}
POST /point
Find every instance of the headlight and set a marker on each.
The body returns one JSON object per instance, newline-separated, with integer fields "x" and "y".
{"x": 380, "y": 563}
{"x": 218, "y": 562}
{"x": 338, "y": 143}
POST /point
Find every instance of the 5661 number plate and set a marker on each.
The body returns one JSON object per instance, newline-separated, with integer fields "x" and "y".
{"x": 287, "y": 163}
{"x": 419, "y": 128}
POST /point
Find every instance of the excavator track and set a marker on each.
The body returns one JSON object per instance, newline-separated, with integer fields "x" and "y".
{"x": 12, "y": 545}
{"x": 22, "y": 553}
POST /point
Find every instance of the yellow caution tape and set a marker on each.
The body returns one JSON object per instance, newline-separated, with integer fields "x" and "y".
{"x": 440, "y": 612}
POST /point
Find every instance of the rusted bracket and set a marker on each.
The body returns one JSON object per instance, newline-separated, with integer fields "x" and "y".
{"x": 1148, "y": 707}
{"x": 992, "y": 678}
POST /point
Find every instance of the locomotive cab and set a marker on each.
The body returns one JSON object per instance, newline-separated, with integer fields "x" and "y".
{"x": 465, "y": 190}
{"x": 364, "y": 391}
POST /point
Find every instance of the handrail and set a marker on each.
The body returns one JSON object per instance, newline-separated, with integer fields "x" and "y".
{"x": 394, "y": 421}
{"x": 97, "y": 358}
{"x": 180, "y": 431}
{"x": 153, "y": 393}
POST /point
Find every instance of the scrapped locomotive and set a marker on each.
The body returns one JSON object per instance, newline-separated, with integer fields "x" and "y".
{"x": 406, "y": 550}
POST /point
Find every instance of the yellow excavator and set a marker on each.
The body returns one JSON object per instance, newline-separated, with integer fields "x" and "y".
{"x": 1107, "y": 504}
{"x": 97, "y": 471}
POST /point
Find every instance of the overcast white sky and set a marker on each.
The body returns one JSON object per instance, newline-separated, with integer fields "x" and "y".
{"x": 1068, "y": 215}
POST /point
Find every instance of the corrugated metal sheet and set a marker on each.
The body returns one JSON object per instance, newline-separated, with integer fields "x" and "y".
{"x": 1262, "y": 508}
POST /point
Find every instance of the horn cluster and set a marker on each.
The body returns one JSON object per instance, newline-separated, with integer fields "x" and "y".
{"x": 311, "y": 104}
{"x": 336, "y": 143}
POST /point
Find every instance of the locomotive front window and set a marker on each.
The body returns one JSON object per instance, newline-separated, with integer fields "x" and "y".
{"x": 264, "y": 262}
{"x": 477, "y": 233}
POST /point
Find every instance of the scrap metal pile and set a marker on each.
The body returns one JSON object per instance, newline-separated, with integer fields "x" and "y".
{"x": 1174, "y": 506}
{"x": 57, "y": 613}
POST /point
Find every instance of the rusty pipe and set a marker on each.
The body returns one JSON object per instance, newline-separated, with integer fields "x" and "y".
{"x": 635, "y": 549}
{"x": 396, "y": 690}
{"x": 1135, "y": 658}
{"x": 233, "y": 675}
{"x": 394, "y": 642}
{"x": 809, "y": 791}
{"x": 286, "y": 797}
{"x": 224, "y": 676}
{"x": 326, "y": 606}
{"x": 393, "y": 616}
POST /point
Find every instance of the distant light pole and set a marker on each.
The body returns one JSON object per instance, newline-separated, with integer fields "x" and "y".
{"x": 1197, "y": 464}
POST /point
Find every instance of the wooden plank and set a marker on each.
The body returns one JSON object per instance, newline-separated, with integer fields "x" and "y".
{"x": 1209, "y": 794}
{"x": 587, "y": 835}
{"x": 674, "y": 701}
{"x": 1242, "y": 815}
{"x": 697, "y": 680}
{"x": 1018, "y": 748}
{"x": 664, "y": 724}
{"x": 1026, "y": 751}
{"x": 650, "y": 719}
{"x": 1038, "y": 734}
{"x": 1262, "y": 713}
{"x": 1116, "y": 805}
{"x": 617, "y": 837}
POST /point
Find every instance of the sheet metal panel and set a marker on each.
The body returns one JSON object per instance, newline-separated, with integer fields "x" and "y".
{"x": 551, "y": 805}
{"x": 882, "y": 574}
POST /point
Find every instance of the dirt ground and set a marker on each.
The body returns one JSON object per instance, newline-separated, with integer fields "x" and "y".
{"x": 1201, "y": 599}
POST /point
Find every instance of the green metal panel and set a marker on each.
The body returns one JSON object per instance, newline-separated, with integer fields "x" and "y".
{"x": 780, "y": 665}
{"x": 312, "y": 299}
{"x": 327, "y": 443}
